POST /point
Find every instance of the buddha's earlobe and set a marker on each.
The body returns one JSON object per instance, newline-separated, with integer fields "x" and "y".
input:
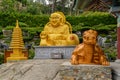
{"x": 61, "y": 20}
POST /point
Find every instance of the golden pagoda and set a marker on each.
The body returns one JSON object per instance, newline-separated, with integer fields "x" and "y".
{"x": 17, "y": 45}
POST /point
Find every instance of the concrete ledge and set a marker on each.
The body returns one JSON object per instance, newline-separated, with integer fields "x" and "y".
{"x": 115, "y": 70}
{"x": 85, "y": 72}
{"x": 44, "y": 52}
{"x": 117, "y": 61}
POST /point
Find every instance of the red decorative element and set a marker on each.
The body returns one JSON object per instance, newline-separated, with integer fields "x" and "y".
{"x": 72, "y": 38}
{"x": 118, "y": 42}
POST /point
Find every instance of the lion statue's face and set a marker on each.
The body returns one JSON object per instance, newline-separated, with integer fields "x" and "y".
{"x": 90, "y": 37}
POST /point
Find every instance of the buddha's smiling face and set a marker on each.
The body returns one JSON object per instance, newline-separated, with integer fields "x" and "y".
{"x": 55, "y": 19}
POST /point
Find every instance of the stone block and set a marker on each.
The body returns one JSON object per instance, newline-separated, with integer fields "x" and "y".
{"x": 7, "y": 33}
{"x": 45, "y": 52}
{"x": 85, "y": 72}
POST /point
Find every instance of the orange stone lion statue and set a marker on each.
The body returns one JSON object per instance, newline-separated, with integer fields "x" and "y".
{"x": 89, "y": 52}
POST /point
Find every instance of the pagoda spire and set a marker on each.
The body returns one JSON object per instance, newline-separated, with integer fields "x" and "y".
{"x": 17, "y": 25}
{"x": 17, "y": 39}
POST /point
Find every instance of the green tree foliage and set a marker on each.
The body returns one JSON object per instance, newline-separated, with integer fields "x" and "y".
{"x": 23, "y": 6}
{"x": 37, "y": 9}
{"x": 24, "y": 2}
{"x": 8, "y": 6}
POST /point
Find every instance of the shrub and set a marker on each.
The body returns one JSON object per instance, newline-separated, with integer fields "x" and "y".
{"x": 1, "y": 58}
{"x": 9, "y": 27}
{"x": 87, "y": 19}
{"x": 92, "y": 18}
{"x": 111, "y": 53}
{"x": 31, "y": 54}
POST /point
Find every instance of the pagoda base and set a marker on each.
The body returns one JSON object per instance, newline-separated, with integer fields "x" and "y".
{"x": 16, "y": 58}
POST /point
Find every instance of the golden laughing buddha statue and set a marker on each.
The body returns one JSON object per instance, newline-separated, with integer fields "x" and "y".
{"x": 89, "y": 52}
{"x": 58, "y": 32}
